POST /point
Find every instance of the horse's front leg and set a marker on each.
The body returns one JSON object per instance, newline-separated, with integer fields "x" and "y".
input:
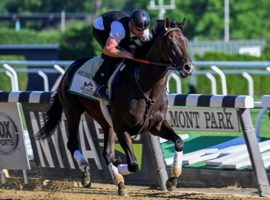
{"x": 165, "y": 131}
{"x": 112, "y": 163}
{"x": 125, "y": 141}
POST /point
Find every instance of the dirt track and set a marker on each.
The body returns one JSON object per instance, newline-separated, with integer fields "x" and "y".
{"x": 38, "y": 189}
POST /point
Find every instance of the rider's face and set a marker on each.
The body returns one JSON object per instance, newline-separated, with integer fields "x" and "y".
{"x": 136, "y": 31}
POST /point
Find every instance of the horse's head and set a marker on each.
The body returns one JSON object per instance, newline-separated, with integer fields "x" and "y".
{"x": 176, "y": 49}
{"x": 168, "y": 47}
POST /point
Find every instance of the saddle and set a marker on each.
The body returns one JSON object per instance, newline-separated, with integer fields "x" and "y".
{"x": 82, "y": 82}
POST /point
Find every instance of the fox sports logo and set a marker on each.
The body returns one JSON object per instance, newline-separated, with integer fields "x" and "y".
{"x": 9, "y": 136}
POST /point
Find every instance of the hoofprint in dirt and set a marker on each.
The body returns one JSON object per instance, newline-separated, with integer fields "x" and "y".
{"x": 47, "y": 189}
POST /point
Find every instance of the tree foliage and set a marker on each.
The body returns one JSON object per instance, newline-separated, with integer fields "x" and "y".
{"x": 50, "y": 6}
{"x": 248, "y": 19}
{"x": 78, "y": 42}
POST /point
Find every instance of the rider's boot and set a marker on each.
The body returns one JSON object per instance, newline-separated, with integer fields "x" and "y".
{"x": 101, "y": 78}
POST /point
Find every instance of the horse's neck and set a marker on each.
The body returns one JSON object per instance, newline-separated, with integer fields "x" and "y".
{"x": 153, "y": 76}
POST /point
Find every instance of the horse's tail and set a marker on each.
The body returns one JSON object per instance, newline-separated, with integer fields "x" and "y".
{"x": 52, "y": 118}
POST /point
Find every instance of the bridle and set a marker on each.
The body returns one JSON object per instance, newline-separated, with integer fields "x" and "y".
{"x": 168, "y": 66}
{"x": 172, "y": 65}
{"x": 148, "y": 98}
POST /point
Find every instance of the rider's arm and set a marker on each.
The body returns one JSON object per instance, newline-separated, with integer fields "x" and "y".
{"x": 111, "y": 49}
{"x": 117, "y": 33}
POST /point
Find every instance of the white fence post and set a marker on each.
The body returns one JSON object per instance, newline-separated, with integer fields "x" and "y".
{"x": 213, "y": 82}
{"x": 14, "y": 77}
{"x": 45, "y": 80}
{"x": 223, "y": 78}
{"x": 57, "y": 82}
{"x": 250, "y": 83}
{"x": 178, "y": 82}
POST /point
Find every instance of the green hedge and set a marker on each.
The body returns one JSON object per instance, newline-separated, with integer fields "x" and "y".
{"x": 236, "y": 84}
{"x": 221, "y": 56}
{"x": 9, "y": 36}
{"x": 5, "y": 80}
{"x": 78, "y": 41}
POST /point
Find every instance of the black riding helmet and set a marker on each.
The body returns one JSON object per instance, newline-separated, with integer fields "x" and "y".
{"x": 140, "y": 19}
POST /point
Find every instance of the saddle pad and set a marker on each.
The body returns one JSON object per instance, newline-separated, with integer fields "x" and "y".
{"x": 82, "y": 83}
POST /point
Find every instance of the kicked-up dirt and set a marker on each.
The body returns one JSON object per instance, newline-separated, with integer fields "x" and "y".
{"x": 69, "y": 190}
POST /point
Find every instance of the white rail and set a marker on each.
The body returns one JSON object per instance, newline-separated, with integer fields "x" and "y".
{"x": 244, "y": 68}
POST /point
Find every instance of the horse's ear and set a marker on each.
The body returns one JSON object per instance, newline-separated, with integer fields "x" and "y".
{"x": 182, "y": 24}
{"x": 166, "y": 23}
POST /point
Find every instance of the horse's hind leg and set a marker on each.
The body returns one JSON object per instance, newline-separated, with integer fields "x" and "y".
{"x": 73, "y": 121}
{"x": 166, "y": 132}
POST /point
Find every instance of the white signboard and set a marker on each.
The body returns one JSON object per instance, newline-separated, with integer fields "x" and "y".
{"x": 12, "y": 149}
{"x": 252, "y": 51}
{"x": 217, "y": 119}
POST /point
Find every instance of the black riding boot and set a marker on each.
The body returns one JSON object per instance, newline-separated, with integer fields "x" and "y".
{"x": 102, "y": 76}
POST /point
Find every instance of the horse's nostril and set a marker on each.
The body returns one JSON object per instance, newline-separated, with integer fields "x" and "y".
{"x": 187, "y": 67}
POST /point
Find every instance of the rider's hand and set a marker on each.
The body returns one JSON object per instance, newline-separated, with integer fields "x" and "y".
{"x": 128, "y": 55}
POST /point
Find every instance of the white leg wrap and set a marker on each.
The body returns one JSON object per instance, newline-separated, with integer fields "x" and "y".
{"x": 177, "y": 160}
{"x": 177, "y": 164}
{"x": 123, "y": 169}
{"x": 117, "y": 177}
{"x": 113, "y": 170}
{"x": 80, "y": 159}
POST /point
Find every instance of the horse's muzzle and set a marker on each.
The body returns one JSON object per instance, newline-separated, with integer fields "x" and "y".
{"x": 186, "y": 70}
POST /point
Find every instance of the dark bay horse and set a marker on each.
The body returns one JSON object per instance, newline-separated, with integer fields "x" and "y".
{"x": 138, "y": 104}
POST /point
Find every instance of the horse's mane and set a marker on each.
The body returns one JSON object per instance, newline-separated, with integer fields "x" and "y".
{"x": 142, "y": 48}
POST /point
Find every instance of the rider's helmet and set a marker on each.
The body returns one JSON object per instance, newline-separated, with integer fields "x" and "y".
{"x": 140, "y": 19}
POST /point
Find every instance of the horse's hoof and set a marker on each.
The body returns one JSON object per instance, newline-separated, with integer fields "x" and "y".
{"x": 171, "y": 183}
{"x": 122, "y": 190}
{"x": 86, "y": 179}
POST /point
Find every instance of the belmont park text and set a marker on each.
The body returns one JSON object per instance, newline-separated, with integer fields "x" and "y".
{"x": 216, "y": 120}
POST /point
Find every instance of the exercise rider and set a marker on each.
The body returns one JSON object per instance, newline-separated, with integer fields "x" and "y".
{"x": 113, "y": 31}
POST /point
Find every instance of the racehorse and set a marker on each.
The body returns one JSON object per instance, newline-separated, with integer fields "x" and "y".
{"x": 138, "y": 103}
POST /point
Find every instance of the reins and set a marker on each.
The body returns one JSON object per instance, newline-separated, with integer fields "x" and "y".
{"x": 171, "y": 65}
{"x": 148, "y": 62}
